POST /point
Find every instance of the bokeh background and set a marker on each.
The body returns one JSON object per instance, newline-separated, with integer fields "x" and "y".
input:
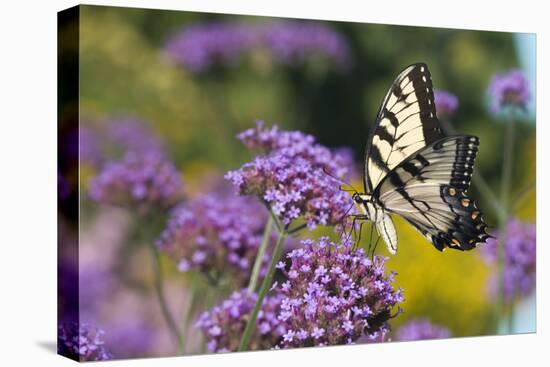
{"x": 127, "y": 73}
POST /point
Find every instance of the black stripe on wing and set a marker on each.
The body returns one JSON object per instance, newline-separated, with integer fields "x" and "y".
{"x": 421, "y": 79}
{"x": 406, "y": 122}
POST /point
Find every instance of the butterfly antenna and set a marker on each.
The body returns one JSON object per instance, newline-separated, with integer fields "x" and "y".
{"x": 353, "y": 189}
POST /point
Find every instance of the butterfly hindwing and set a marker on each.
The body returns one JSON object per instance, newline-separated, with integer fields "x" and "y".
{"x": 429, "y": 190}
{"x": 406, "y": 122}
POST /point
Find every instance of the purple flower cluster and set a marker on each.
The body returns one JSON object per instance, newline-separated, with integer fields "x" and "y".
{"x": 334, "y": 295}
{"x": 132, "y": 135}
{"x": 216, "y": 234}
{"x": 446, "y": 104}
{"x": 138, "y": 180}
{"x": 81, "y": 342}
{"x": 330, "y": 295}
{"x": 88, "y": 146}
{"x": 224, "y": 324}
{"x": 421, "y": 329}
{"x": 201, "y": 46}
{"x": 519, "y": 258}
{"x": 296, "y": 42}
{"x": 291, "y": 176}
{"x": 510, "y": 89}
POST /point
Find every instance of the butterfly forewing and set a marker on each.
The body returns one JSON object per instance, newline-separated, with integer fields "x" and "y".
{"x": 406, "y": 122}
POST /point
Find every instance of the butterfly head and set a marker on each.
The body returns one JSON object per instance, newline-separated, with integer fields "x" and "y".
{"x": 363, "y": 203}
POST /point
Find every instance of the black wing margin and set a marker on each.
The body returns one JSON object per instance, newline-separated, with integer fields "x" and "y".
{"x": 405, "y": 123}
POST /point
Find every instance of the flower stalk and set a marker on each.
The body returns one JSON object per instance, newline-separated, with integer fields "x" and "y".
{"x": 266, "y": 285}
{"x": 158, "y": 281}
{"x": 161, "y": 298}
{"x": 506, "y": 181}
{"x": 259, "y": 257}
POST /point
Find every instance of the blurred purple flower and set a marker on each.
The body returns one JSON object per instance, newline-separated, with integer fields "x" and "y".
{"x": 216, "y": 233}
{"x": 335, "y": 295}
{"x": 132, "y": 338}
{"x": 510, "y": 89}
{"x": 446, "y": 104}
{"x": 294, "y": 42}
{"x": 519, "y": 259}
{"x": 81, "y": 342}
{"x": 290, "y": 176}
{"x": 89, "y": 150}
{"x": 132, "y": 135}
{"x": 200, "y": 46}
{"x": 421, "y": 329}
{"x": 138, "y": 180}
{"x": 224, "y": 324}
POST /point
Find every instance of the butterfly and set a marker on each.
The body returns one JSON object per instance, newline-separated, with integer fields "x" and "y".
{"x": 413, "y": 170}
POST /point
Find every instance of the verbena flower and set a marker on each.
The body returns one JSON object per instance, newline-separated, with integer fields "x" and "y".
{"x": 519, "y": 259}
{"x": 138, "y": 180}
{"x": 132, "y": 135}
{"x": 81, "y": 342}
{"x": 421, "y": 329}
{"x": 290, "y": 176}
{"x": 294, "y": 42}
{"x": 446, "y": 104}
{"x": 509, "y": 90}
{"x": 217, "y": 234}
{"x": 116, "y": 137}
{"x": 224, "y": 324}
{"x": 334, "y": 295}
{"x": 329, "y": 295}
{"x": 199, "y": 47}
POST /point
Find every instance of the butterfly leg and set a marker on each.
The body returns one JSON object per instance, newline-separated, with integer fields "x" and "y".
{"x": 370, "y": 237}
{"x": 353, "y": 229}
{"x": 375, "y": 245}
{"x": 343, "y": 233}
{"x": 358, "y": 238}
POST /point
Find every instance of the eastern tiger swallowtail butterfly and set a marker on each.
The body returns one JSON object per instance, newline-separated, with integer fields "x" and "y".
{"x": 412, "y": 169}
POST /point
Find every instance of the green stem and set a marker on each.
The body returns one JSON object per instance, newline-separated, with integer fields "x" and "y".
{"x": 511, "y": 315}
{"x": 488, "y": 194}
{"x": 266, "y": 285}
{"x": 507, "y": 166}
{"x": 188, "y": 315}
{"x": 522, "y": 196}
{"x": 159, "y": 291}
{"x": 259, "y": 257}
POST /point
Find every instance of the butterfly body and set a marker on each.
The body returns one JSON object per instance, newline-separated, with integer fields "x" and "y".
{"x": 413, "y": 170}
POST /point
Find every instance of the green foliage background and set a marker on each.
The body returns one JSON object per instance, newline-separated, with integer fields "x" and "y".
{"x": 123, "y": 71}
